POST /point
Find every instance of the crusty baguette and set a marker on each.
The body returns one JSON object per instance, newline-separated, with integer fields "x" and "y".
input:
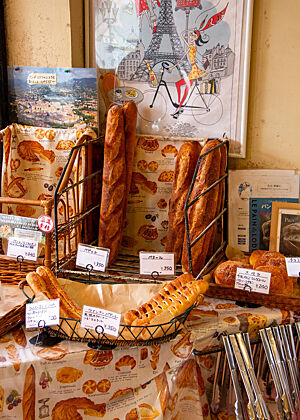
{"x": 202, "y": 212}
{"x": 184, "y": 170}
{"x": 28, "y": 400}
{"x": 67, "y": 305}
{"x": 113, "y": 197}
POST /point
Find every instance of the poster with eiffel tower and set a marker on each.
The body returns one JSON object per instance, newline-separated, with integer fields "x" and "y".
{"x": 184, "y": 62}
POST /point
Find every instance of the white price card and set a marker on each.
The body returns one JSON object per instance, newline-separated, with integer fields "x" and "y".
{"x": 160, "y": 262}
{"x": 42, "y": 314}
{"x": 92, "y": 255}
{"x": 293, "y": 266}
{"x": 252, "y": 280}
{"x": 107, "y": 322}
{"x": 22, "y": 246}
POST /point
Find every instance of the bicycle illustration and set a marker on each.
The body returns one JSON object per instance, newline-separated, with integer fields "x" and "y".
{"x": 202, "y": 102}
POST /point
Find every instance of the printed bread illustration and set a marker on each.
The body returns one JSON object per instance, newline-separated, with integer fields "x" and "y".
{"x": 19, "y": 336}
{"x": 162, "y": 204}
{"x": 184, "y": 170}
{"x": 1, "y": 399}
{"x": 166, "y": 176}
{"x": 169, "y": 149}
{"x": 139, "y": 180}
{"x": 89, "y": 386}
{"x": 68, "y": 409}
{"x": 17, "y": 187}
{"x": 202, "y": 212}
{"x": 52, "y": 353}
{"x": 33, "y": 151}
{"x": 98, "y": 358}
{"x": 68, "y": 375}
{"x": 149, "y": 144}
{"x": 65, "y": 145}
{"x": 120, "y": 392}
{"x": 13, "y": 355}
{"x": 103, "y": 385}
{"x": 148, "y": 232}
{"x": 147, "y": 412}
{"x": 28, "y": 400}
{"x": 153, "y": 166}
{"x": 125, "y": 361}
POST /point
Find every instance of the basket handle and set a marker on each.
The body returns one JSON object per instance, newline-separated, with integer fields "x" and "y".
{"x": 21, "y": 285}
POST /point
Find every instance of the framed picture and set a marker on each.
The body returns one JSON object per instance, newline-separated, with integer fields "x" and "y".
{"x": 285, "y": 228}
{"x": 184, "y": 62}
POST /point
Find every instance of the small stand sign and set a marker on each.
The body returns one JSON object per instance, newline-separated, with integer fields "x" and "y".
{"x": 162, "y": 263}
{"x": 88, "y": 255}
{"x": 293, "y": 266}
{"x": 95, "y": 317}
{"x": 45, "y": 310}
{"x": 252, "y": 280}
{"x": 28, "y": 249}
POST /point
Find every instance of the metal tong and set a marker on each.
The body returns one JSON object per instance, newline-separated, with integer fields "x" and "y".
{"x": 283, "y": 396}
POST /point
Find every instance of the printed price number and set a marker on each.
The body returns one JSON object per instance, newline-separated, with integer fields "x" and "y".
{"x": 28, "y": 249}
{"x": 93, "y": 256}
{"x": 162, "y": 262}
{"x": 46, "y": 311}
{"x": 252, "y": 280}
{"x": 293, "y": 266}
{"x": 45, "y": 223}
{"x": 94, "y": 317}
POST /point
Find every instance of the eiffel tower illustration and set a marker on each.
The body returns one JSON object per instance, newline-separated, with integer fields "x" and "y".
{"x": 165, "y": 27}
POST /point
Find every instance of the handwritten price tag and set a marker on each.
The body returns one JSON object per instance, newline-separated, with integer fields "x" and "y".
{"x": 252, "y": 280}
{"x": 45, "y": 223}
{"x": 162, "y": 262}
{"x": 97, "y": 317}
{"x": 21, "y": 246}
{"x": 38, "y": 312}
{"x": 293, "y": 266}
{"x": 91, "y": 255}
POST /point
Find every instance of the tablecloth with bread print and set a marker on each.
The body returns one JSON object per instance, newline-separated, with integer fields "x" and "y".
{"x": 72, "y": 381}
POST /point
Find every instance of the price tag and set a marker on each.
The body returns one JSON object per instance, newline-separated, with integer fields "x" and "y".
{"x": 293, "y": 266}
{"x": 95, "y": 317}
{"x": 252, "y": 280}
{"x": 45, "y": 223}
{"x": 97, "y": 257}
{"x": 162, "y": 262}
{"x": 44, "y": 311}
{"x": 21, "y": 246}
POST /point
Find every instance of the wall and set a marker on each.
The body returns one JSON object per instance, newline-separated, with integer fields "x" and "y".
{"x": 39, "y": 34}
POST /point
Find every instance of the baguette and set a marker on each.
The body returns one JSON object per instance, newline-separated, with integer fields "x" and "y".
{"x": 184, "y": 170}
{"x": 114, "y": 188}
{"x": 203, "y": 211}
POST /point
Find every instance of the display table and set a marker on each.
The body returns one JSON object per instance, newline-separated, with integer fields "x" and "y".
{"x": 71, "y": 381}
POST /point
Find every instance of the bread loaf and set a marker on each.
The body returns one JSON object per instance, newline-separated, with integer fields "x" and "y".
{"x": 114, "y": 188}
{"x": 28, "y": 400}
{"x": 203, "y": 211}
{"x": 184, "y": 170}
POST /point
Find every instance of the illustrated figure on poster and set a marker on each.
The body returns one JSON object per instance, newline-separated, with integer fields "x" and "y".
{"x": 146, "y": 7}
{"x": 196, "y": 38}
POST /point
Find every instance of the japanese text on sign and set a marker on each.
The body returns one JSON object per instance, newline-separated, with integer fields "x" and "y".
{"x": 252, "y": 280}
{"x": 293, "y": 266}
{"x": 45, "y": 223}
{"x": 21, "y": 246}
{"x": 97, "y": 317}
{"x": 40, "y": 314}
{"x": 91, "y": 255}
{"x": 42, "y": 79}
{"x": 162, "y": 262}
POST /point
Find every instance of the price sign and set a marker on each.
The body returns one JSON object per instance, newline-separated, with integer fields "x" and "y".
{"x": 293, "y": 266}
{"x": 97, "y": 317}
{"x": 21, "y": 246}
{"x": 45, "y": 223}
{"x": 92, "y": 255}
{"x": 45, "y": 312}
{"x": 162, "y": 262}
{"x": 252, "y": 280}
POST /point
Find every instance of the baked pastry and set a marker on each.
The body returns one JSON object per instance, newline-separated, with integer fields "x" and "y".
{"x": 52, "y": 353}
{"x": 142, "y": 165}
{"x": 13, "y": 355}
{"x": 103, "y": 385}
{"x": 68, "y": 375}
{"x": 121, "y": 392}
{"x": 19, "y": 336}
{"x": 65, "y": 145}
{"x": 184, "y": 169}
{"x": 17, "y": 188}
{"x": 270, "y": 258}
{"x": 50, "y": 134}
{"x": 149, "y": 144}
{"x": 225, "y": 273}
{"x": 255, "y": 255}
{"x": 166, "y": 176}
{"x": 98, "y": 358}
{"x": 125, "y": 361}
{"x": 230, "y": 319}
{"x": 153, "y": 166}
{"x": 114, "y": 186}
{"x": 162, "y": 204}
{"x": 32, "y": 151}
{"x": 203, "y": 211}
{"x": 280, "y": 282}
{"x": 148, "y": 232}
{"x": 89, "y": 387}
{"x": 68, "y": 409}
{"x": 169, "y": 149}
{"x": 28, "y": 400}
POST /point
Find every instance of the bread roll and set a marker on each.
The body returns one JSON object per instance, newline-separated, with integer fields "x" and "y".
{"x": 280, "y": 282}
{"x": 184, "y": 170}
{"x": 225, "y": 273}
{"x": 28, "y": 400}
{"x": 255, "y": 255}
{"x": 270, "y": 258}
{"x": 202, "y": 212}
{"x": 114, "y": 188}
